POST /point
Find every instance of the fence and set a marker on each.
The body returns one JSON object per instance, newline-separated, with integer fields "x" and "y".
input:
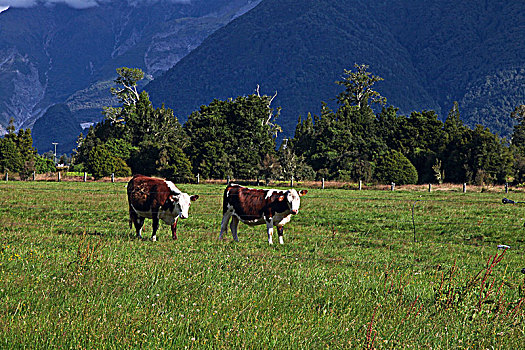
{"x": 323, "y": 184}
{"x": 400, "y": 221}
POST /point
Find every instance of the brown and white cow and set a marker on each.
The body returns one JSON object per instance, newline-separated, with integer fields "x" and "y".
{"x": 153, "y": 198}
{"x": 256, "y": 207}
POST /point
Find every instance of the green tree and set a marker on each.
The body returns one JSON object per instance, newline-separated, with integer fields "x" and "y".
{"x": 343, "y": 144}
{"x": 518, "y": 143}
{"x": 490, "y": 158}
{"x": 455, "y": 155}
{"x": 101, "y": 163}
{"x": 150, "y": 140}
{"x": 395, "y": 167}
{"x": 10, "y": 156}
{"x": 121, "y": 168}
{"x": 359, "y": 87}
{"x": 44, "y": 165}
{"x": 16, "y": 151}
{"x": 231, "y": 137}
{"x": 125, "y": 91}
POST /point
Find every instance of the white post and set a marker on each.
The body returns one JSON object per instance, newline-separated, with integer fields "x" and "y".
{"x": 198, "y": 178}
{"x": 85, "y": 177}
{"x": 393, "y": 186}
{"x": 464, "y": 188}
{"x": 360, "y": 185}
{"x": 429, "y": 187}
{"x": 323, "y": 183}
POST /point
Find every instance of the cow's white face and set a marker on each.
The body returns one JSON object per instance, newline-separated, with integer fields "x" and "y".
{"x": 294, "y": 200}
{"x": 181, "y": 201}
{"x": 181, "y": 204}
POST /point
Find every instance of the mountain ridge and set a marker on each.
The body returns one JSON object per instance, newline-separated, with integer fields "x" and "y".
{"x": 51, "y": 53}
{"x": 430, "y": 54}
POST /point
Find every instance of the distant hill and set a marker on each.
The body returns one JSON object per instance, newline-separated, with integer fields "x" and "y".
{"x": 58, "y": 125}
{"x": 57, "y": 54}
{"x": 429, "y": 52}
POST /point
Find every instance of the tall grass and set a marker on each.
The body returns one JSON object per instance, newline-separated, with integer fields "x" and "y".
{"x": 349, "y": 275}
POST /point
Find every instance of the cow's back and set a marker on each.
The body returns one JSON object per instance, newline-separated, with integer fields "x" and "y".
{"x": 247, "y": 203}
{"x": 147, "y": 193}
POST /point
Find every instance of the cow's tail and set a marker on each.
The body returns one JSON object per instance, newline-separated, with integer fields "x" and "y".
{"x": 225, "y": 199}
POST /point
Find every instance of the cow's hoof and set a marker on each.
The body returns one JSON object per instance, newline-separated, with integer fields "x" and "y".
{"x": 154, "y": 239}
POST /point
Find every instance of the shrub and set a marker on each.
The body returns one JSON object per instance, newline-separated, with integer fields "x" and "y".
{"x": 44, "y": 165}
{"x": 395, "y": 167}
{"x": 121, "y": 169}
{"x": 101, "y": 163}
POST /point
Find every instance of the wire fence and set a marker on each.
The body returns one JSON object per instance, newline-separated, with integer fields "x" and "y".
{"x": 407, "y": 216}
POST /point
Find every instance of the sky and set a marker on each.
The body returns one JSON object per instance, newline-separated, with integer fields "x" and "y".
{"x": 78, "y": 4}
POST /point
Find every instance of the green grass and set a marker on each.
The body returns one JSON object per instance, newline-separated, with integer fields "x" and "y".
{"x": 349, "y": 275}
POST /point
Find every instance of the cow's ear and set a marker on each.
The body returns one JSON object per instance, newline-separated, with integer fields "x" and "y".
{"x": 194, "y": 197}
{"x": 303, "y": 192}
{"x": 280, "y": 199}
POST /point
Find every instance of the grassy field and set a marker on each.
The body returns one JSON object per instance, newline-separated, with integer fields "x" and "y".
{"x": 359, "y": 269}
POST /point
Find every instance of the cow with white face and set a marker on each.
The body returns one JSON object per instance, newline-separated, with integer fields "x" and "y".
{"x": 257, "y": 207}
{"x": 156, "y": 199}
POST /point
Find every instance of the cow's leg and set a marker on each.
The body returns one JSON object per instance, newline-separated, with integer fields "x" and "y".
{"x": 174, "y": 228}
{"x": 269, "y": 229}
{"x": 137, "y": 221}
{"x": 139, "y": 224}
{"x": 233, "y": 225}
{"x": 132, "y": 217}
{"x": 155, "y": 219}
{"x": 224, "y": 224}
{"x": 280, "y": 230}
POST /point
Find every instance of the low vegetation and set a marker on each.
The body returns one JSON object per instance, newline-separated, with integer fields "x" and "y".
{"x": 359, "y": 269}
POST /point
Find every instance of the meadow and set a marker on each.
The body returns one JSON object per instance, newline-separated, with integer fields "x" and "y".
{"x": 359, "y": 269}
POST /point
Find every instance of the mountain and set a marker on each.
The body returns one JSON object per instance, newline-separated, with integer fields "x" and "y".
{"x": 58, "y": 54}
{"x": 429, "y": 52}
{"x": 57, "y": 124}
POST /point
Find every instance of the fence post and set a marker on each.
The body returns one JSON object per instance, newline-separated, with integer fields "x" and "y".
{"x": 34, "y": 175}
{"x": 7, "y": 176}
{"x": 322, "y": 183}
{"x": 228, "y": 178}
{"x": 464, "y": 188}
{"x": 360, "y": 185}
{"x": 506, "y": 187}
{"x": 112, "y": 177}
{"x": 85, "y": 177}
{"x": 429, "y": 187}
{"x": 393, "y": 186}
{"x": 198, "y": 178}
{"x": 59, "y": 177}
{"x": 291, "y": 182}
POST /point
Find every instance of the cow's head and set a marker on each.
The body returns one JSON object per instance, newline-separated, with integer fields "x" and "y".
{"x": 181, "y": 203}
{"x": 293, "y": 199}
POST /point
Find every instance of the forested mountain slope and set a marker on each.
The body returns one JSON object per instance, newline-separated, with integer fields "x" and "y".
{"x": 429, "y": 52}
{"x": 57, "y": 54}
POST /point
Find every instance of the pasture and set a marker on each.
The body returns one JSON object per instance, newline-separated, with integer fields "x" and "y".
{"x": 349, "y": 275}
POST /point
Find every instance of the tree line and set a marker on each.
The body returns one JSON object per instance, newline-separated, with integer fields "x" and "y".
{"x": 362, "y": 139}
{"x": 18, "y": 155}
